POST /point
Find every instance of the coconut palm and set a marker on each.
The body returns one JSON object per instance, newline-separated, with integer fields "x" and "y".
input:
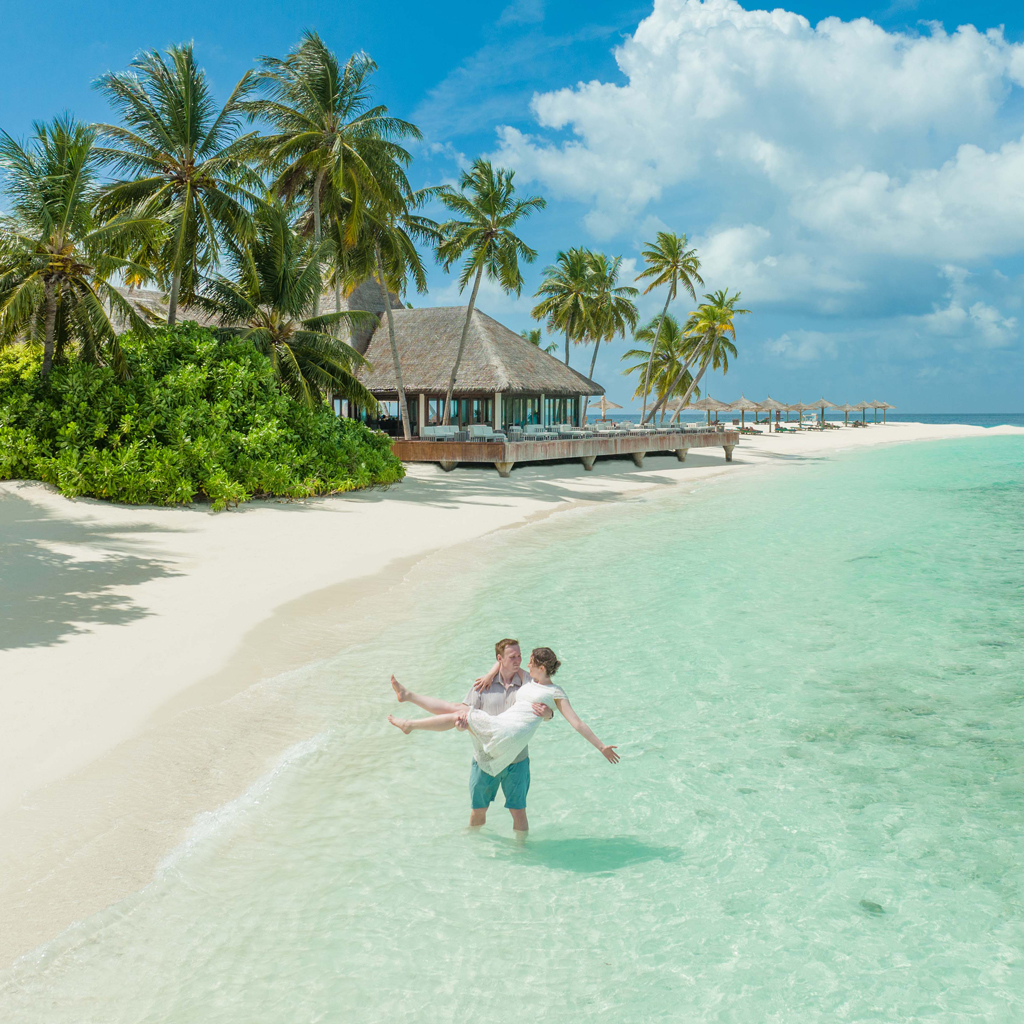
{"x": 182, "y": 159}
{"x": 534, "y": 337}
{"x": 667, "y": 352}
{"x": 326, "y": 136}
{"x": 610, "y": 309}
{"x": 566, "y": 288}
{"x": 711, "y": 326}
{"x": 266, "y": 301}
{"x": 483, "y": 239}
{"x": 56, "y": 259}
{"x": 669, "y": 263}
{"x": 390, "y": 229}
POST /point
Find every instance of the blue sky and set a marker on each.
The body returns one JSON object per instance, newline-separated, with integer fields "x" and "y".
{"x": 860, "y": 181}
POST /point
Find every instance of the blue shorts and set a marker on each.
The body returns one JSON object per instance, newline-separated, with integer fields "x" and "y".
{"x": 514, "y": 782}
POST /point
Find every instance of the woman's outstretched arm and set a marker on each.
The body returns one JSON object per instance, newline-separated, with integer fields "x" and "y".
{"x": 584, "y": 730}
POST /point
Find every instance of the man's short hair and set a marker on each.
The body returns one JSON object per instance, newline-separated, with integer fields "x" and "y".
{"x": 503, "y": 645}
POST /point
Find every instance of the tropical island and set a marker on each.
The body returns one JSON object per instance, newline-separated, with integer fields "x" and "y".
{"x": 182, "y": 291}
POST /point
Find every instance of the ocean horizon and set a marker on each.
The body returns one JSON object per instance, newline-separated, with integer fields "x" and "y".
{"x": 812, "y": 675}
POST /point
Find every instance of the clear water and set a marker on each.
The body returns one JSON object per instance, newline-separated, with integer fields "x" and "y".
{"x": 816, "y": 680}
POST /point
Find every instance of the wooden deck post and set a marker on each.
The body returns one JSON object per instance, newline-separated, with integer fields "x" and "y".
{"x": 497, "y": 410}
{"x": 588, "y": 461}
{"x": 543, "y": 411}
{"x": 423, "y": 414}
{"x": 504, "y": 468}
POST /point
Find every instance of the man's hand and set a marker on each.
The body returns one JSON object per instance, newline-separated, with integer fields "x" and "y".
{"x": 461, "y": 722}
{"x": 543, "y": 711}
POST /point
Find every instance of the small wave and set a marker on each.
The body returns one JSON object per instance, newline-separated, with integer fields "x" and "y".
{"x": 208, "y": 823}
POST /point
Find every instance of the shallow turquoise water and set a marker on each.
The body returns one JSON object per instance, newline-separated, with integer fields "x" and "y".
{"x": 816, "y": 680}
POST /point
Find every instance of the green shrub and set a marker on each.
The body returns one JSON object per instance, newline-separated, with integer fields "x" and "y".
{"x": 196, "y": 419}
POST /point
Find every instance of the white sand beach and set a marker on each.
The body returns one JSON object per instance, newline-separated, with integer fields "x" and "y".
{"x": 135, "y": 635}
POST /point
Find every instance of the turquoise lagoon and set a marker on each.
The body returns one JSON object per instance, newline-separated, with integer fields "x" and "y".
{"x": 816, "y": 680}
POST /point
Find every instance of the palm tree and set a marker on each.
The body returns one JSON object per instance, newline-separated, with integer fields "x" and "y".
{"x": 184, "y": 159}
{"x": 610, "y": 307}
{"x": 390, "y": 229}
{"x": 668, "y": 353}
{"x": 327, "y": 137}
{"x": 711, "y": 326}
{"x": 56, "y": 259}
{"x": 266, "y": 300}
{"x": 565, "y": 289}
{"x": 534, "y": 337}
{"x": 669, "y": 263}
{"x": 489, "y": 208}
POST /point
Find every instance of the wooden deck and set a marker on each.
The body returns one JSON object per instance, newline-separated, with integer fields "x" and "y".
{"x": 505, "y": 454}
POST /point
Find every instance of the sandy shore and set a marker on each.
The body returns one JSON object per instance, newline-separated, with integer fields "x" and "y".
{"x": 132, "y": 638}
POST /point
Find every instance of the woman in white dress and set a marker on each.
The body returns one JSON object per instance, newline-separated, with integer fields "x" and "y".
{"x": 499, "y": 739}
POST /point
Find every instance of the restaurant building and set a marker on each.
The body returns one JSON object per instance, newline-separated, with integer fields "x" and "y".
{"x": 503, "y": 379}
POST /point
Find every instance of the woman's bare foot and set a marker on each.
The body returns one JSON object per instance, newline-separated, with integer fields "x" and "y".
{"x": 400, "y": 691}
{"x": 400, "y": 723}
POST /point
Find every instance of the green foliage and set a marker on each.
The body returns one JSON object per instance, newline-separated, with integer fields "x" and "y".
{"x": 197, "y": 419}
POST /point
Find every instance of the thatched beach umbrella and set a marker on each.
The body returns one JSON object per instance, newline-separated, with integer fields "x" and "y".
{"x": 823, "y": 404}
{"x": 846, "y": 410}
{"x": 863, "y": 406}
{"x": 604, "y": 404}
{"x": 876, "y": 406}
{"x": 769, "y": 405}
{"x": 710, "y": 405}
{"x": 886, "y": 406}
{"x": 743, "y": 406}
{"x": 792, "y": 408}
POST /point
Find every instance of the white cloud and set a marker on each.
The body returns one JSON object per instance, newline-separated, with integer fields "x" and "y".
{"x": 522, "y": 12}
{"x": 802, "y": 346}
{"x": 809, "y": 163}
{"x": 969, "y": 325}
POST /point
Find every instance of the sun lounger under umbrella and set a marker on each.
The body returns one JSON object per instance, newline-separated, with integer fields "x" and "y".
{"x": 743, "y": 406}
{"x": 769, "y": 405}
{"x": 863, "y": 406}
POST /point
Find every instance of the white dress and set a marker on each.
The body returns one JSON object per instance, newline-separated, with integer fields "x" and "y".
{"x": 499, "y": 739}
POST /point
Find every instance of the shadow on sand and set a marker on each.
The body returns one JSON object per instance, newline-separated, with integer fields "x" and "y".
{"x": 46, "y": 593}
{"x": 586, "y": 855}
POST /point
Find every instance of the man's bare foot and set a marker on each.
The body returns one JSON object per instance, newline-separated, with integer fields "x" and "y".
{"x": 400, "y": 723}
{"x": 400, "y": 691}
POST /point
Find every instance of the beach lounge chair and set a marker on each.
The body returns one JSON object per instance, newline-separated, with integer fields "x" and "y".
{"x": 568, "y": 430}
{"x": 440, "y": 432}
{"x": 485, "y": 432}
{"x": 537, "y": 432}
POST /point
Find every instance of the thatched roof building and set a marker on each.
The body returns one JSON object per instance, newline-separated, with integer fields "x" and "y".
{"x": 503, "y": 378}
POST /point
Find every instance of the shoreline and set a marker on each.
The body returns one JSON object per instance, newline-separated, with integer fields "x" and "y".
{"x": 114, "y": 741}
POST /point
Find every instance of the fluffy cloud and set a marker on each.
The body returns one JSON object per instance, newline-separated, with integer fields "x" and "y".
{"x": 811, "y": 162}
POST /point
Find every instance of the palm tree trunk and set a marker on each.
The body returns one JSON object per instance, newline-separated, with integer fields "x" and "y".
{"x": 665, "y": 397}
{"x": 172, "y": 301}
{"x": 403, "y": 409}
{"x": 318, "y": 184}
{"x": 695, "y": 382}
{"x": 50, "y": 293}
{"x": 462, "y": 344}
{"x": 650, "y": 358}
{"x": 566, "y": 348}
{"x": 337, "y": 306}
{"x": 593, "y": 363}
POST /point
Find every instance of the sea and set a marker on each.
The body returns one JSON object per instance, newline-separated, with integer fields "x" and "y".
{"x": 815, "y": 679}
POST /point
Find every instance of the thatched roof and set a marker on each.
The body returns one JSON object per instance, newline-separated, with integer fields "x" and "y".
{"x": 148, "y": 302}
{"x": 495, "y": 358}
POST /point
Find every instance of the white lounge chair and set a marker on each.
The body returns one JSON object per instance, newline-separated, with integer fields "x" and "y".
{"x": 439, "y": 432}
{"x": 537, "y": 432}
{"x": 485, "y": 432}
